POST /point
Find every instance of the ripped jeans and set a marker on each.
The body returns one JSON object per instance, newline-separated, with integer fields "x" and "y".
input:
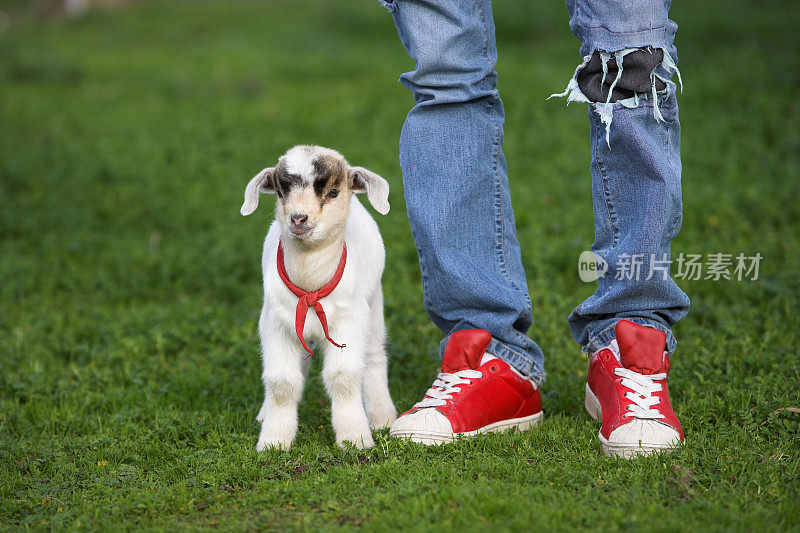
{"x": 456, "y": 184}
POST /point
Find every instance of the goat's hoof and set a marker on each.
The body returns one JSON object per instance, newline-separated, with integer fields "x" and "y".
{"x": 361, "y": 442}
{"x": 382, "y": 422}
{"x": 383, "y": 418}
{"x": 275, "y": 444}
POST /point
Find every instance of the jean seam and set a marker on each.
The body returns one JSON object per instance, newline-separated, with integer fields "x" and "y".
{"x": 577, "y": 17}
{"x": 678, "y": 218}
{"x": 606, "y": 194}
{"x": 499, "y": 222}
{"x": 675, "y": 220}
{"x": 490, "y": 104}
{"x": 485, "y": 34}
{"x": 424, "y": 274}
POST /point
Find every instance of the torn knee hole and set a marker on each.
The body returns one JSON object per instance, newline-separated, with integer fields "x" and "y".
{"x": 605, "y": 81}
{"x": 624, "y": 77}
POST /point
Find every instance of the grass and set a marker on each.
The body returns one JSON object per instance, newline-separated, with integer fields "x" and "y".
{"x": 129, "y": 365}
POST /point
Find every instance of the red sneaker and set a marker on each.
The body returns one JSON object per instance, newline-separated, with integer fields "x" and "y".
{"x": 476, "y": 392}
{"x": 627, "y": 391}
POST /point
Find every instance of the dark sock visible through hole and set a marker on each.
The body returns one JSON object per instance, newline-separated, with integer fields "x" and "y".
{"x": 636, "y": 69}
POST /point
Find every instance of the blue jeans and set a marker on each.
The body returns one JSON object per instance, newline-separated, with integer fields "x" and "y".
{"x": 456, "y": 184}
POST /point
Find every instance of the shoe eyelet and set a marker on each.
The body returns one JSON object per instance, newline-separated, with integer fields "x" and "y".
{"x": 492, "y": 369}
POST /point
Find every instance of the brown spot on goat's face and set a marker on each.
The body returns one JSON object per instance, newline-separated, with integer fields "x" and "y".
{"x": 330, "y": 175}
{"x": 314, "y": 193}
{"x": 285, "y": 181}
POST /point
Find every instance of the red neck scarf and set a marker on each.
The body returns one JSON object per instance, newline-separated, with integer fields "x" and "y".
{"x": 311, "y": 299}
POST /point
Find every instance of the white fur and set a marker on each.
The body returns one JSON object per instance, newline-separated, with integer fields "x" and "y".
{"x": 300, "y": 161}
{"x": 355, "y": 376}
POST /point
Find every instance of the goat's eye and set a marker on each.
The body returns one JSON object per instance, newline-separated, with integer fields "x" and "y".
{"x": 333, "y": 193}
{"x": 279, "y": 193}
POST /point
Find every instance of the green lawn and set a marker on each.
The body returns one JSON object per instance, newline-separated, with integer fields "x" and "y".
{"x": 129, "y": 362}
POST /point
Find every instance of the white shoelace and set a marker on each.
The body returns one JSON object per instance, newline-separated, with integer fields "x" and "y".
{"x": 445, "y": 385}
{"x": 642, "y": 397}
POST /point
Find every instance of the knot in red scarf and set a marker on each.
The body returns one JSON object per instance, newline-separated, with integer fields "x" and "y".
{"x": 311, "y": 299}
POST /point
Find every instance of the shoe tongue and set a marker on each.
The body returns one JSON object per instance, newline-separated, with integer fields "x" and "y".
{"x": 464, "y": 349}
{"x": 641, "y": 348}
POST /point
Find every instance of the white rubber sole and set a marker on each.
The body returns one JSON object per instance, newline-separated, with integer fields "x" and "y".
{"x": 436, "y": 439}
{"x": 614, "y": 449}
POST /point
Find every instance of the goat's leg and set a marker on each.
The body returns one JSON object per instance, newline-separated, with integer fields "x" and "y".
{"x": 284, "y": 378}
{"x": 377, "y": 400}
{"x": 343, "y": 372}
{"x": 306, "y": 365}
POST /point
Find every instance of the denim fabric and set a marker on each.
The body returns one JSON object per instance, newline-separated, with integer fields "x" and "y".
{"x": 456, "y": 184}
{"x": 636, "y": 191}
{"x": 636, "y": 175}
{"x": 613, "y": 25}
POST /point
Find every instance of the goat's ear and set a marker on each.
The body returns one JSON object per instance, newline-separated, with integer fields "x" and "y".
{"x": 377, "y": 189}
{"x": 264, "y": 181}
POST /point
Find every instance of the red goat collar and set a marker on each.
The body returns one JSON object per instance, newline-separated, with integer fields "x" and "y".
{"x": 311, "y": 299}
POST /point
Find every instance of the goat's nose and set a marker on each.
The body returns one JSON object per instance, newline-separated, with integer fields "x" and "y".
{"x": 298, "y": 219}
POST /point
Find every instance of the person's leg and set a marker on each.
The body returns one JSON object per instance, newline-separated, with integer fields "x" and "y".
{"x": 625, "y": 326}
{"x": 457, "y": 193}
{"x": 635, "y": 164}
{"x": 455, "y": 182}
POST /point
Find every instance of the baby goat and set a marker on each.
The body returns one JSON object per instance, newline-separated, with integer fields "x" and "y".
{"x": 322, "y": 263}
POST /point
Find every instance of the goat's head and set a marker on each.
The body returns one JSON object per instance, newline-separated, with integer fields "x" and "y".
{"x": 314, "y": 186}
